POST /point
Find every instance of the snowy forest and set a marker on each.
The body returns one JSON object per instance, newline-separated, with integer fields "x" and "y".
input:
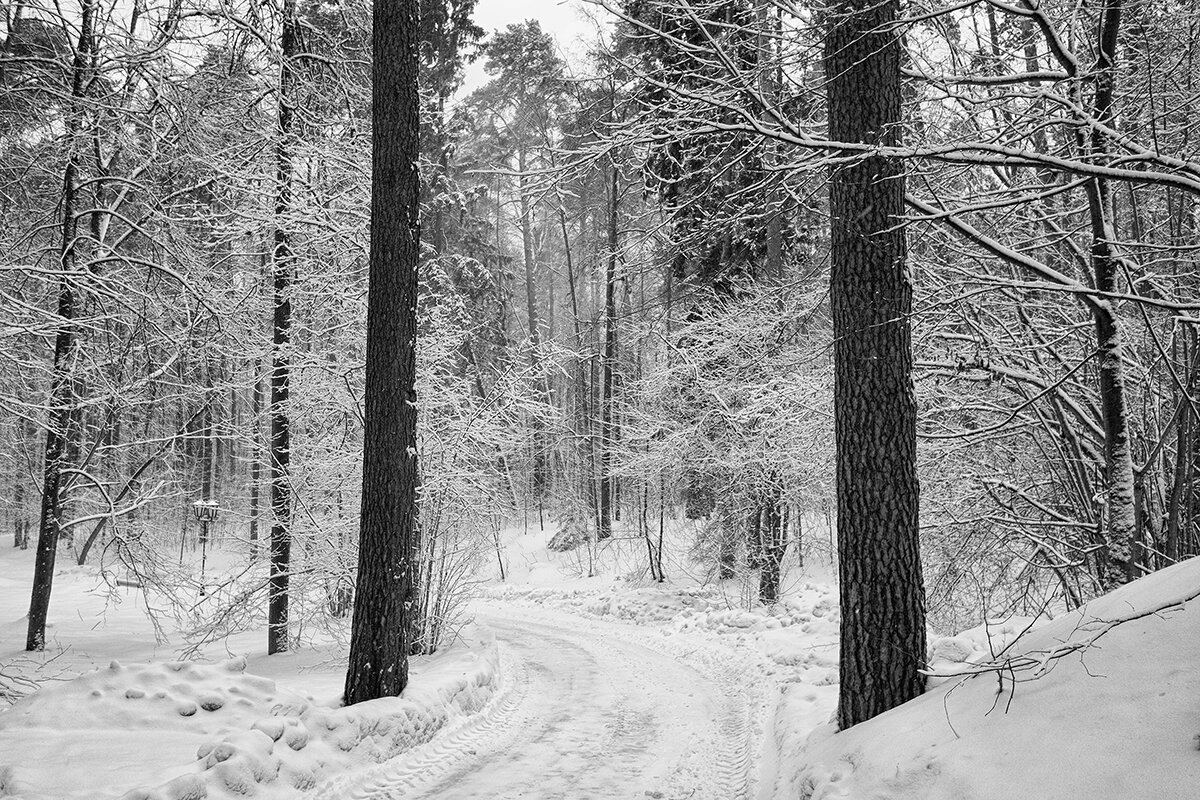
{"x": 739, "y": 399}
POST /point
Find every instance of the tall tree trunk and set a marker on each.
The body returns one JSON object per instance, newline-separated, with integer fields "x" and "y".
{"x": 607, "y": 432}
{"x": 63, "y": 422}
{"x": 388, "y": 540}
{"x": 283, "y": 266}
{"x": 586, "y": 444}
{"x": 769, "y": 24}
{"x": 1118, "y": 559}
{"x": 879, "y": 557}
{"x": 538, "y": 473}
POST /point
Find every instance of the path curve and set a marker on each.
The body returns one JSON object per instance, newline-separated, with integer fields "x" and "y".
{"x": 587, "y": 710}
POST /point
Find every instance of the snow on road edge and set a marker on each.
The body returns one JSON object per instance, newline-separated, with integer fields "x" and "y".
{"x": 296, "y": 745}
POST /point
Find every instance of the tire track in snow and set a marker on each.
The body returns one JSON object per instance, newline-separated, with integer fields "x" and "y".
{"x": 409, "y": 772}
{"x": 589, "y": 709}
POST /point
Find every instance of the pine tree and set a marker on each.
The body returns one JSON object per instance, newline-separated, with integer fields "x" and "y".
{"x": 879, "y": 560}
{"x": 378, "y": 664}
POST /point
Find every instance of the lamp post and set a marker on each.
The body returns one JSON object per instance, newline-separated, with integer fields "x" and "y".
{"x": 206, "y": 512}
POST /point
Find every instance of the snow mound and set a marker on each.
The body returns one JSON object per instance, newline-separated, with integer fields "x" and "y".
{"x": 283, "y": 756}
{"x": 983, "y": 644}
{"x": 174, "y": 695}
{"x": 1100, "y": 703}
{"x": 255, "y": 739}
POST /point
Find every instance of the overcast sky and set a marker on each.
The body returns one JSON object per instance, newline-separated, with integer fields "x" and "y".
{"x": 567, "y": 20}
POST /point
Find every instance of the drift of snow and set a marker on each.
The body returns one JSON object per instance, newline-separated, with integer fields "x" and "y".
{"x": 255, "y": 738}
{"x": 1104, "y": 706}
{"x": 169, "y": 730}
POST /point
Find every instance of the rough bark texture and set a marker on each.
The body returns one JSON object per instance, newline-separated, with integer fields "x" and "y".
{"x": 283, "y": 266}
{"x": 388, "y": 532}
{"x": 882, "y": 595}
{"x": 63, "y": 420}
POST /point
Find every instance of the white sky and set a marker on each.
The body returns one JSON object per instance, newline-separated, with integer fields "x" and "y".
{"x": 569, "y": 21}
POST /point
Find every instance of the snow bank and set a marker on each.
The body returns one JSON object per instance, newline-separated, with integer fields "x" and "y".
{"x": 951, "y": 655}
{"x": 1103, "y": 706}
{"x": 257, "y": 739}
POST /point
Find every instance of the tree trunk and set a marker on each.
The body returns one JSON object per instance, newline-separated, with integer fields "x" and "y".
{"x": 879, "y": 558}
{"x": 283, "y": 266}
{"x": 208, "y": 454}
{"x": 63, "y": 421}
{"x": 256, "y": 451}
{"x": 607, "y": 433}
{"x": 538, "y": 477}
{"x": 769, "y": 24}
{"x": 378, "y": 665}
{"x": 20, "y": 516}
{"x": 774, "y": 544}
{"x": 1118, "y": 559}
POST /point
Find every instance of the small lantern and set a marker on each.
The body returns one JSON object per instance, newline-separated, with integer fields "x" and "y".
{"x": 206, "y": 510}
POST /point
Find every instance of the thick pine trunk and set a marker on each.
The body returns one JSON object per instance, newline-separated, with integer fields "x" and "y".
{"x": 879, "y": 559}
{"x": 283, "y": 267}
{"x": 378, "y": 665}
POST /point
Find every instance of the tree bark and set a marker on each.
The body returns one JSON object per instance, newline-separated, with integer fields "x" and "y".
{"x": 539, "y": 471}
{"x": 607, "y": 427}
{"x": 63, "y": 420}
{"x": 773, "y": 539}
{"x": 1118, "y": 559}
{"x": 769, "y": 23}
{"x": 283, "y": 267}
{"x": 378, "y": 664}
{"x": 879, "y": 560}
{"x": 256, "y": 459}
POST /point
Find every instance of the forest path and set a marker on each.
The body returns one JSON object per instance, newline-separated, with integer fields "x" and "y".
{"x": 588, "y": 710}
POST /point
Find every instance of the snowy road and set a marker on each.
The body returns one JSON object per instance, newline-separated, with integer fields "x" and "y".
{"x": 588, "y": 710}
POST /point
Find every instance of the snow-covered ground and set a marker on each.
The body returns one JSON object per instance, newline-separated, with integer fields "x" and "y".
{"x": 568, "y": 686}
{"x": 119, "y": 716}
{"x": 1100, "y": 704}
